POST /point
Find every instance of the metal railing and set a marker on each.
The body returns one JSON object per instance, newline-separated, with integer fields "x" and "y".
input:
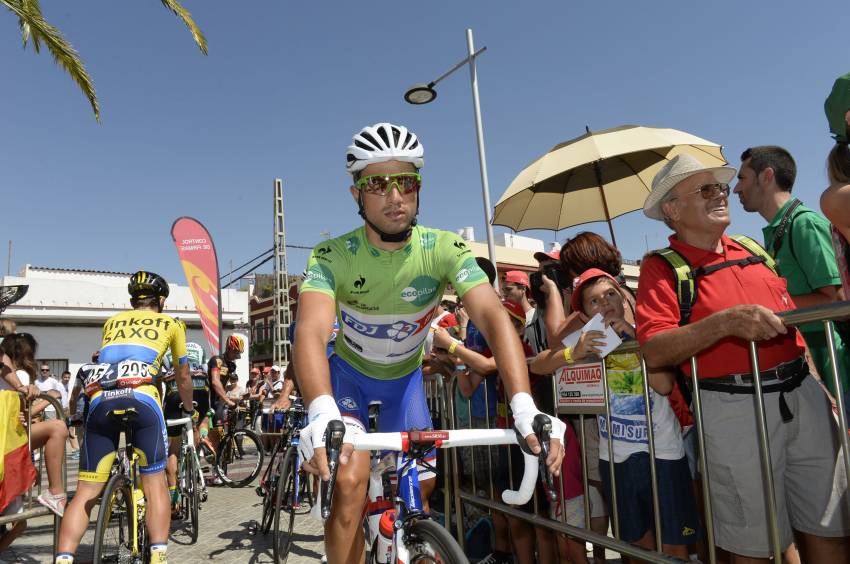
{"x": 32, "y": 509}
{"x": 826, "y": 314}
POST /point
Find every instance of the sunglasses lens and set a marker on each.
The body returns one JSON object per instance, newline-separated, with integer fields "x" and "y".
{"x": 709, "y": 191}
{"x": 381, "y": 185}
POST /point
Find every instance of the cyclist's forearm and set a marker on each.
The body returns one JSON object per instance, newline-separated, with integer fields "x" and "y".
{"x": 184, "y": 385}
{"x": 313, "y": 371}
{"x": 507, "y": 350}
{"x": 218, "y": 388}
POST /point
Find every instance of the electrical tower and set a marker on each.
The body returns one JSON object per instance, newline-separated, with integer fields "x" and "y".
{"x": 282, "y": 313}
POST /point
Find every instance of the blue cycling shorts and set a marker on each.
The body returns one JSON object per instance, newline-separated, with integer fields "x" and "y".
{"x": 403, "y": 406}
{"x": 100, "y": 441}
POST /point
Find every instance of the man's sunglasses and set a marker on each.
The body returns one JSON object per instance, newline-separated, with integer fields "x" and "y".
{"x": 710, "y": 191}
{"x": 381, "y": 184}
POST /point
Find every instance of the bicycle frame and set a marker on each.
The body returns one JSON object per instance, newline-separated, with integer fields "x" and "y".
{"x": 187, "y": 443}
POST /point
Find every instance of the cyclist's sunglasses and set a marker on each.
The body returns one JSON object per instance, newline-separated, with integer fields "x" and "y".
{"x": 381, "y": 184}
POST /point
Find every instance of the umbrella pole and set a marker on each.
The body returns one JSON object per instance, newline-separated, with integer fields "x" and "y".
{"x": 604, "y": 202}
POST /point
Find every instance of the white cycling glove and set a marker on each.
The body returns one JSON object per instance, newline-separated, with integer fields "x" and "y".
{"x": 321, "y": 410}
{"x": 524, "y": 411}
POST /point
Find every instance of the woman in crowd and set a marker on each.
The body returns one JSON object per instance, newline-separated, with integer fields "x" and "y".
{"x": 19, "y": 350}
{"x": 835, "y": 201}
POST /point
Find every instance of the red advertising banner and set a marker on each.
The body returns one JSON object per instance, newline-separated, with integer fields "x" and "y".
{"x": 197, "y": 255}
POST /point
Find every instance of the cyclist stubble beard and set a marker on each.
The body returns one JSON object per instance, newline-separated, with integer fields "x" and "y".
{"x": 394, "y": 212}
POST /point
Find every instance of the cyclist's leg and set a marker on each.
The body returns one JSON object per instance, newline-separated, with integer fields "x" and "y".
{"x": 344, "y": 540}
{"x": 97, "y": 452}
{"x": 410, "y": 413}
{"x": 149, "y": 438}
{"x": 202, "y": 398}
{"x": 172, "y": 411}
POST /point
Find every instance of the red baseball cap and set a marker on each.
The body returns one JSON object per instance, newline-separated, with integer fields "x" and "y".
{"x": 267, "y": 369}
{"x": 514, "y": 310}
{"x": 585, "y": 277}
{"x": 517, "y": 277}
{"x": 540, "y": 256}
{"x": 255, "y": 370}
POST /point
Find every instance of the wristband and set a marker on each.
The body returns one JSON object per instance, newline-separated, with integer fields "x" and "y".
{"x": 322, "y": 404}
{"x": 568, "y": 355}
{"x": 453, "y": 347}
{"x": 522, "y": 403}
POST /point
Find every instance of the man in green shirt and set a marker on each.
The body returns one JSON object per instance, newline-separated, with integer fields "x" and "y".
{"x": 800, "y": 241}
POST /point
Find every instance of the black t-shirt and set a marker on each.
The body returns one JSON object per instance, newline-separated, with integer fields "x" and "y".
{"x": 225, "y": 368}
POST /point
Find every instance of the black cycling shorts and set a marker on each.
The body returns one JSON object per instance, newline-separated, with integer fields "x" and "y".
{"x": 172, "y": 408}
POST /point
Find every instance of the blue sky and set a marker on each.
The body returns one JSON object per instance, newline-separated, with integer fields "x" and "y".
{"x": 286, "y": 84}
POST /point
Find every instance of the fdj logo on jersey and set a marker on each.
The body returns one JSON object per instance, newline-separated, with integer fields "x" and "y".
{"x": 398, "y": 331}
{"x": 420, "y": 291}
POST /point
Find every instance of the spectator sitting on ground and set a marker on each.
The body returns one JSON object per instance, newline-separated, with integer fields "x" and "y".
{"x": 20, "y": 349}
{"x": 735, "y": 306}
{"x": 597, "y": 292}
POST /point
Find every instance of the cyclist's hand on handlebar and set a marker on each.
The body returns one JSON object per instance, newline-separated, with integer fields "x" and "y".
{"x": 311, "y": 448}
{"x": 524, "y": 412}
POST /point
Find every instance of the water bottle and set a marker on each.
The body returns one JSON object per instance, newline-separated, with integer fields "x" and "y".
{"x": 384, "y": 542}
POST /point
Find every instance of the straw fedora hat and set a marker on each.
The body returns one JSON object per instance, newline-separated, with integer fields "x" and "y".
{"x": 677, "y": 169}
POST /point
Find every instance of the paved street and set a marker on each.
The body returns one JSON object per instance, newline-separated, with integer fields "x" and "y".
{"x": 228, "y": 521}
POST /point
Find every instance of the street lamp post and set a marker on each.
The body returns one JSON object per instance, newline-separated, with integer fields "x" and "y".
{"x": 425, "y": 93}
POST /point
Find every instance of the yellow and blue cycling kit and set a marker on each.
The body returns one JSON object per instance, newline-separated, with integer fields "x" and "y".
{"x": 134, "y": 343}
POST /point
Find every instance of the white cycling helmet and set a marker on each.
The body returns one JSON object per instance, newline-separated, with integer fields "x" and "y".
{"x": 383, "y": 142}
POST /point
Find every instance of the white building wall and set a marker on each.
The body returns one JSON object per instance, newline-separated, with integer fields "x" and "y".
{"x": 65, "y": 310}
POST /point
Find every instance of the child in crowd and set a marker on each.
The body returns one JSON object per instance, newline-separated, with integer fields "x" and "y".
{"x": 595, "y": 291}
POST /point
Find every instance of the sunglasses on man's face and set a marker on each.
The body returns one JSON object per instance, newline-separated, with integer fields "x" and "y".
{"x": 381, "y": 184}
{"x": 710, "y": 191}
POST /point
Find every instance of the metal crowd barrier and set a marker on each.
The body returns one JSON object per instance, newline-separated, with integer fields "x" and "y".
{"x": 32, "y": 509}
{"x": 445, "y": 396}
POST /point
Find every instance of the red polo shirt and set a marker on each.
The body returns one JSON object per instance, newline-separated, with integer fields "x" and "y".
{"x": 658, "y": 308}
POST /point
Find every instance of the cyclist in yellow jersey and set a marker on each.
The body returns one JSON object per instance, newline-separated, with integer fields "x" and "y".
{"x": 126, "y": 377}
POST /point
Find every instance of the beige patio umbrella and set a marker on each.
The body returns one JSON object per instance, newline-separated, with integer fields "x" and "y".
{"x": 596, "y": 177}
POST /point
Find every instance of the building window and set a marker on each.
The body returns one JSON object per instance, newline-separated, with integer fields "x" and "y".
{"x": 259, "y": 329}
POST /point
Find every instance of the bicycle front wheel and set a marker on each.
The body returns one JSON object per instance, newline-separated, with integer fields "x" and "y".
{"x": 190, "y": 496}
{"x": 428, "y": 543}
{"x": 113, "y": 534}
{"x": 240, "y": 458}
{"x": 286, "y": 499}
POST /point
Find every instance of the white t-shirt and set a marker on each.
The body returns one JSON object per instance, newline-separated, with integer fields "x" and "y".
{"x": 46, "y": 385}
{"x": 22, "y": 376}
{"x": 628, "y": 410}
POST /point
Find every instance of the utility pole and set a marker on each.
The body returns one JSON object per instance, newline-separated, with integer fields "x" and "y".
{"x": 282, "y": 313}
{"x": 9, "y": 260}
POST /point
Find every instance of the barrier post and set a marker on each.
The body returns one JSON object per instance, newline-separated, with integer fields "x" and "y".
{"x": 650, "y": 439}
{"x": 703, "y": 465}
{"x": 764, "y": 455}
{"x": 450, "y": 397}
{"x": 615, "y": 523}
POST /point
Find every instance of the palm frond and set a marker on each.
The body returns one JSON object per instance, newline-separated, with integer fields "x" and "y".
{"x": 33, "y": 25}
{"x": 186, "y": 17}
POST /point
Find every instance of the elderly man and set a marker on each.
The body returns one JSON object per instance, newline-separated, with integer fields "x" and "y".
{"x": 736, "y": 294}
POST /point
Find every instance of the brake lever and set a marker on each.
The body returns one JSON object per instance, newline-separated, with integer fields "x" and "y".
{"x": 542, "y": 427}
{"x": 333, "y": 443}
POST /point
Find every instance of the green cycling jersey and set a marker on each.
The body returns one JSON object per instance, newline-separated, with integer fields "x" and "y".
{"x": 385, "y": 300}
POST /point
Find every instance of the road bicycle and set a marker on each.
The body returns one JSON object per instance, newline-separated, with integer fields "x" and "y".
{"x": 190, "y": 480}
{"x": 286, "y": 489}
{"x": 240, "y": 453}
{"x": 404, "y": 533}
{"x": 120, "y": 534}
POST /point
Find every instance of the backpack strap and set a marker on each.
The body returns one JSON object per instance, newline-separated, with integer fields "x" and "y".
{"x": 686, "y": 289}
{"x": 686, "y": 276}
{"x": 756, "y": 250}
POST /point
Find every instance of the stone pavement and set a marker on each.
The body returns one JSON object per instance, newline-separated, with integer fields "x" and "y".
{"x": 228, "y": 534}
